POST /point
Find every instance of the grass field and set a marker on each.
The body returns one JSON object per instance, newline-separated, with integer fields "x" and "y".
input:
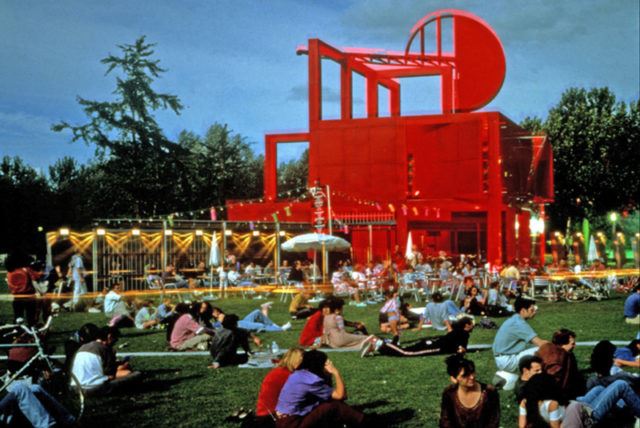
{"x": 181, "y": 391}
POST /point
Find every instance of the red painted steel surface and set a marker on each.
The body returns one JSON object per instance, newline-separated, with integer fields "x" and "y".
{"x": 457, "y": 180}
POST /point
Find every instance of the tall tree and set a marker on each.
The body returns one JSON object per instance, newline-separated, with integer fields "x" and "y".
{"x": 138, "y": 161}
{"x": 26, "y": 203}
{"x": 222, "y": 166}
{"x": 596, "y": 152}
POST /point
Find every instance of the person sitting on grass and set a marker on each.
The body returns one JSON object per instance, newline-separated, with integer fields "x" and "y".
{"x": 312, "y": 331}
{"x": 202, "y": 312}
{"x": 187, "y": 334}
{"x": 559, "y": 362}
{"x": 627, "y": 356}
{"x": 300, "y": 308}
{"x": 28, "y": 404}
{"x": 468, "y": 403}
{"x": 164, "y": 310}
{"x": 258, "y": 320}
{"x": 145, "y": 317}
{"x": 604, "y": 406}
{"x": 474, "y": 302}
{"x": 515, "y": 337}
{"x": 529, "y": 365}
{"x": 334, "y": 333}
{"x": 96, "y": 368}
{"x": 497, "y": 303}
{"x": 455, "y": 341}
{"x": 604, "y": 371}
{"x": 307, "y": 398}
{"x": 272, "y": 385}
{"x": 116, "y": 308}
{"x": 632, "y": 306}
{"x": 226, "y": 341}
{"x": 439, "y": 312}
{"x": 389, "y": 315}
{"x": 542, "y": 403}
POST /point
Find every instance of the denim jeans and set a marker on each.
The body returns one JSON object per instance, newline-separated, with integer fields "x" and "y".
{"x": 602, "y": 400}
{"x": 256, "y": 321}
{"x": 452, "y": 309}
{"x": 33, "y": 401}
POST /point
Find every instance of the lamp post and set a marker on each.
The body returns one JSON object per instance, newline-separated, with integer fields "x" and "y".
{"x": 613, "y": 217}
{"x": 533, "y": 230}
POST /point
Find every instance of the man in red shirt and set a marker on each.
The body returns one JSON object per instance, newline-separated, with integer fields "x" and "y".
{"x": 20, "y": 280}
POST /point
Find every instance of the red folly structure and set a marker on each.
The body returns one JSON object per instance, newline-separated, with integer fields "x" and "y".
{"x": 462, "y": 181}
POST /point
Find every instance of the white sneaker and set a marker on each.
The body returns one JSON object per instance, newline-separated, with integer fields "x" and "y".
{"x": 367, "y": 347}
{"x": 286, "y": 327}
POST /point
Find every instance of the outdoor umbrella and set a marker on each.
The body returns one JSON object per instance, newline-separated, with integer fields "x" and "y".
{"x": 214, "y": 260}
{"x": 408, "y": 252}
{"x": 214, "y": 254}
{"x": 315, "y": 241}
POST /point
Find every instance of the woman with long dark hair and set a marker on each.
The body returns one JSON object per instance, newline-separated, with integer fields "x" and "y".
{"x": 468, "y": 403}
{"x": 542, "y": 404}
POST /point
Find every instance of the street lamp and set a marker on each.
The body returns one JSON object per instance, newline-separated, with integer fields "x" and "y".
{"x": 613, "y": 217}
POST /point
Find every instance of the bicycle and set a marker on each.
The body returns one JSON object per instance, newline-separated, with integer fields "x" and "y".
{"x": 585, "y": 289}
{"x": 51, "y": 375}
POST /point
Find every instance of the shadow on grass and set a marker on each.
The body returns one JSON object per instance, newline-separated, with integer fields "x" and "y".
{"x": 138, "y": 333}
{"x": 395, "y": 418}
{"x": 370, "y": 405}
{"x": 157, "y": 385}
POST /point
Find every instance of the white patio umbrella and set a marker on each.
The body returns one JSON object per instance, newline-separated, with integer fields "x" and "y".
{"x": 408, "y": 253}
{"x": 593, "y": 253}
{"x": 214, "y": 260}
{"x": 315, "y": 241}
{"x": 214, "y": 254}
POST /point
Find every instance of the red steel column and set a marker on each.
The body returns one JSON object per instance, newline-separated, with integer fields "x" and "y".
{"x": 491, "y": 125}
{"x": 270, "y": 168}
{"x": 315, "y": 83}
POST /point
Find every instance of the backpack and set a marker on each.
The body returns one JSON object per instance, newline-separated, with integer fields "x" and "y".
{"x": 487, "y": 323}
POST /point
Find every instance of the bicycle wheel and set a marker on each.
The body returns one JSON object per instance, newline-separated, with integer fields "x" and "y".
{"x": 576, "y": 293}
{"x": 66, "y": 389}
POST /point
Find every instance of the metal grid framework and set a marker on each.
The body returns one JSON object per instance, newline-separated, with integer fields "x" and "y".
{"x": 131, "y": 250}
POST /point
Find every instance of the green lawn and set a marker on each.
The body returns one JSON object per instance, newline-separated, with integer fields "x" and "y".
{"x": 181, "y": 391}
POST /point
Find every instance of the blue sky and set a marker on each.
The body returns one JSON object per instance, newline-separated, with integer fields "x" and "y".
{"x": 234, "y": 61}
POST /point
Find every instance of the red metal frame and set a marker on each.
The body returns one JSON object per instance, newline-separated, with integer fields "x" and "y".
{"x": 458, "y": 179}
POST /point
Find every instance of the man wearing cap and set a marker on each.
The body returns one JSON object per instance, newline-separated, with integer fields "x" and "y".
{"x": 515, "y": 337}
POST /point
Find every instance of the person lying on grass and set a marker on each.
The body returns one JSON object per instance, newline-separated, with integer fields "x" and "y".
{"x": 308, "y": 399}
{"x": 468, "y": 403}
{"x": 453, "y": 342}
{"x": 272, "y": 385}
{"x": 258, "y": 320}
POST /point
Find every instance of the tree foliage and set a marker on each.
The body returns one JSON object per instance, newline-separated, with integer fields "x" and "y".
{"x": 138, "y": 161}
{"x": 595, "y": 151}
{"x": 293, "y": 175}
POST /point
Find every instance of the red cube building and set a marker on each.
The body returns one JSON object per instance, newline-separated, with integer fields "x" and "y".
{"x": 464, "y": 182}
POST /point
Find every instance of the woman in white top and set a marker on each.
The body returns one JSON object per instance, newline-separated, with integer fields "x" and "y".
{"x": 541, "y": 404}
